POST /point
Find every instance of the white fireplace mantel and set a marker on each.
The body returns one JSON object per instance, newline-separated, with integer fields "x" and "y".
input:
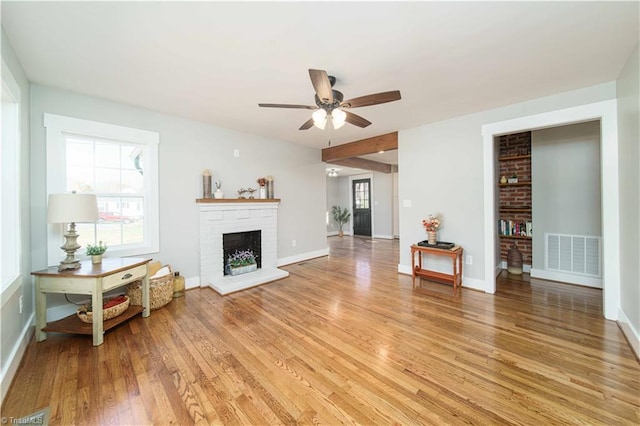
{"x": 218, "y": 217}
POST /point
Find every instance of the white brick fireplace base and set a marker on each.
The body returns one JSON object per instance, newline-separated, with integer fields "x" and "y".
{"x": 218, "y": 218}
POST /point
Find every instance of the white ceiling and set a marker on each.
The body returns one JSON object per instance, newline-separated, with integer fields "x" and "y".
{"x": 214, "y": 62}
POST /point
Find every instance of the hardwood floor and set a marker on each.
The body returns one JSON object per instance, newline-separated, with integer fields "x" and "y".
{"x": 345, "y": 339}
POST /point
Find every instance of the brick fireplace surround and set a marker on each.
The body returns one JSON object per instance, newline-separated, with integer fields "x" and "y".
{"x": 218, "y": 217}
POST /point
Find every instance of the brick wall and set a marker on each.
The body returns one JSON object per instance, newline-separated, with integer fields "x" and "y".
{"x": 516, "y": 196}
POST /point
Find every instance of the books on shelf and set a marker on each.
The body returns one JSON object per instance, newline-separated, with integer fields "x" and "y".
{"x": 513, "y": 228}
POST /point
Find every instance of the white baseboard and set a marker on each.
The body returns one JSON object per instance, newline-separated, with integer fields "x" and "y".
{"x": 192, "y": 282}
{"x": 474, "y": 283}
{"x": 302, "y": 257}
{"x": 404, "y": 269}
{"x": 332, "y": 233}
{"x": 13, "y": 362}
{"x": 503, "y": 265}
{"x": 567, "y": 278}
{"x": 629, "y": 331}
{"x": 384, "y": 237}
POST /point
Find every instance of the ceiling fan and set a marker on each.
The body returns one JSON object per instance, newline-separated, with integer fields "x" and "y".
{"x": 330, "y": 103}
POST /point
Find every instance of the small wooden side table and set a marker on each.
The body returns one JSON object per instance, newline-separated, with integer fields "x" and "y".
{"x": 455, "y": 254}
{"x": 93, "y": 279}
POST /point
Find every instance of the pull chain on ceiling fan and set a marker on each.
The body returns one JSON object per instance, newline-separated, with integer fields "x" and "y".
{"x": 329, "y": 103}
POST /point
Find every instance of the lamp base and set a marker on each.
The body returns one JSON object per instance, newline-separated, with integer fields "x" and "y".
{"x": 70, "y": 246}
{"x": 63, "y": 266}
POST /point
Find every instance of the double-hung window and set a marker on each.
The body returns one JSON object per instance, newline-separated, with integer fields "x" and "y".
{"x": 120, "y": 165}
{"x": 10, "y": 234}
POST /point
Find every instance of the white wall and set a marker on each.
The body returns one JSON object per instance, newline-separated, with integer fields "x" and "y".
{"x": 382, "y": 205}
{"x": 333, "y": 199}
{"x": 395, "y": 206}
{"x": 15, "y": 327}
{"x": 186, "y": 148}
{"x": 628, "y": 92}
{"x": 442, "y": 171}
{"x": 565, "y": 173}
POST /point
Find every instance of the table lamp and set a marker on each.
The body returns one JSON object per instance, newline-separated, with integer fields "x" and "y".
{"x": 71, "y": 208}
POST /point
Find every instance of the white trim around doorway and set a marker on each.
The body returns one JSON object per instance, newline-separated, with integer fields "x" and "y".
{"x": 606, "y": 113}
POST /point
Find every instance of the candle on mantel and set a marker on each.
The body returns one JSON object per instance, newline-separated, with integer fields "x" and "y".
{"x": 270, "y": 194}
{"x": 206, "y": 183}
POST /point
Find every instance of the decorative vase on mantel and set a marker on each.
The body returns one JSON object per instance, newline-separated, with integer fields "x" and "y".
{"x": 218, "y": 195}
{"x": 432, "y": 237}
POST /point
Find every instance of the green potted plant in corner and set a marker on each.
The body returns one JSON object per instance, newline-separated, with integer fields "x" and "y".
{"x": 96, "y": 251}
{"x": 341, "y": 216}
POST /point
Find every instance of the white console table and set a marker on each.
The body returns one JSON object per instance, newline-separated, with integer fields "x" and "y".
{"x": 94, "y": 280}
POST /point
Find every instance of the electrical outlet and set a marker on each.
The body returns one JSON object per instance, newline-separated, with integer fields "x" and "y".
{"x": 236, "y": 153}
{"x": 293, "y": 243}
{"x": 21, "y": 301}
{"x": 469, "y": 260}
{"x": 406, "y": 203}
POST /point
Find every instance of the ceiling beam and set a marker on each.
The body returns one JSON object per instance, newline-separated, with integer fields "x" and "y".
{"x": 362, "y": 147}
{"x": 363, "y": 163}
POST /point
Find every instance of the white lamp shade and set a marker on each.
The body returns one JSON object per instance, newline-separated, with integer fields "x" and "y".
{"x": 319, "y": 118}
{"x": 338, "y": 118}
{"x": 67, "y": 208}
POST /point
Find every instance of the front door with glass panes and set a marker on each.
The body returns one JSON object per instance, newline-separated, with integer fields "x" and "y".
{"x": 361, "y": 189}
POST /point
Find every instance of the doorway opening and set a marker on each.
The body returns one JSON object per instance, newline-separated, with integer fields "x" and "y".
{"x": 361, "y": 196}
{"x": 604, "y": 111}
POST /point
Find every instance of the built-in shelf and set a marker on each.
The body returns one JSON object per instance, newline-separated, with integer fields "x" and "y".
{"x": 516, "y": 184}
{"x": 515, "y": 237}
{"x": 514, "y": 157}
{"x": 515, "y": 209}
{"x": 237, "y": 200}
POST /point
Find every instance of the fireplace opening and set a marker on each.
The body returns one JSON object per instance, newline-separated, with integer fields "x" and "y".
{"x": 241, "y": 241}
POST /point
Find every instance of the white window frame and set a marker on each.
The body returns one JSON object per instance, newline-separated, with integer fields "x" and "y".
{"x": 10, "y": 206}
{"x": 57, "y": 127}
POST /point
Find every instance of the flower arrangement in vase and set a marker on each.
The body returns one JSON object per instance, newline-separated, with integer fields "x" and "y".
{"x": 263, "y": 187}
{"x": 431, "y": 225}
{"x": 242, "y": 261}
{"x": 96, "y": 251}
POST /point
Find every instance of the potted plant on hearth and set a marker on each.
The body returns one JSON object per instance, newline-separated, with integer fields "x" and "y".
{"x": 96, "y": 251}
{"x": 341, "y": 216}
{"x": 241, "y": 262}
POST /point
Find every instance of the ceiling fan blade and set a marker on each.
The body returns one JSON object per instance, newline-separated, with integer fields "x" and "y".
{"x": 322, "y": 85}
{"x": 375, "y": 99}
{"x": 287, "y": 106}
{"x": 356, "y": 120}
{"x": 307, "y": 124}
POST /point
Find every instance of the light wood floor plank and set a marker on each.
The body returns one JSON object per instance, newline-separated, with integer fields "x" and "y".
{"x": 345, "y": 340}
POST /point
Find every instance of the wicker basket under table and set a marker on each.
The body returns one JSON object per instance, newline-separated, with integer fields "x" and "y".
{"x": 107, "y": 314}
{"x": 160, "y": 291}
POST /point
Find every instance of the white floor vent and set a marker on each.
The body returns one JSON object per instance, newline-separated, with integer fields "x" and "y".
{"x": 573, "y": 254}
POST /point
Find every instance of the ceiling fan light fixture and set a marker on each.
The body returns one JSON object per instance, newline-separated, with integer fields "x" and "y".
{"x": 338, "y": 118}
{"x": 319, "y": 118}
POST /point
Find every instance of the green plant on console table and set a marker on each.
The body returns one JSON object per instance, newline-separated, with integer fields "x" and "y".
{"x": 94, "y": 250}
